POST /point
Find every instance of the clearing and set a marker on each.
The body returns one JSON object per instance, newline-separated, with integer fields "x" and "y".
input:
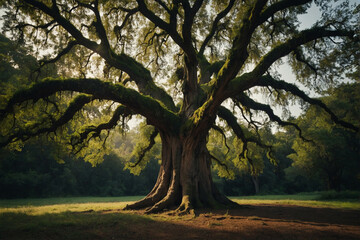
{"x": 100, "y": 218}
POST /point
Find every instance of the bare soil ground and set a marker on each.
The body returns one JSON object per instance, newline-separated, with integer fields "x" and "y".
{"x": 252, "y": 222}
{"x": 256, "y": 221}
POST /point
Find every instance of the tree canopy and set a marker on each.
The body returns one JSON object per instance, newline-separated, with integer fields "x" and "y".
{"x": 185, "y": 66}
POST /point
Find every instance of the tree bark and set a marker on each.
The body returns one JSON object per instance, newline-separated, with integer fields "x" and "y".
{"x": 184, "y": 182}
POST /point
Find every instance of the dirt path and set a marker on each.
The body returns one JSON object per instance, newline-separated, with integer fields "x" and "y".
{"x": 253, "y": 222}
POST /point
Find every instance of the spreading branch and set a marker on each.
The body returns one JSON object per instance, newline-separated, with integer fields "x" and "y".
{"x": 95, "y": 131}
{"x": 219, "y": 86}
{"x": 66, "y": 24}
{"x": 279, "y": 6}
{"x": 248, "y": 80}
{"x": 292, "y": 44}
{"x": 278, "y": 84}
{"x": 140, "y": 104}
{"x": 75, "y": 106}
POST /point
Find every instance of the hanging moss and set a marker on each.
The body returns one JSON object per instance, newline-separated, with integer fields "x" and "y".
{"x": 199, "y": 113}
{"x": 144, "y": 105}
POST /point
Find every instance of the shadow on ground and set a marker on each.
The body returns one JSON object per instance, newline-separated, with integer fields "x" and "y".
{"x": 252, "y": 222}
{"x": 296, "y": 213}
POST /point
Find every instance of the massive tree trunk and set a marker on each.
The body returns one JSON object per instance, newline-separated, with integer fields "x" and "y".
{"x": 184, "y": 181}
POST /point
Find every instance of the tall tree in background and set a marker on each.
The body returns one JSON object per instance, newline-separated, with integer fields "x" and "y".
{"x": 335, "y": 153}
{"x": 176, "y": 64}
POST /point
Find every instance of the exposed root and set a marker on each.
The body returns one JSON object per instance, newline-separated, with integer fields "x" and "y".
{"x": 185, "y": 207}
{"x": 187, "y": 211}
{"x": 156, "y": 208}
{"x": 143, "y": 203}
{"x": 161, "y": 205}
{"x": 147, "y": 202}
{"x": 196, "y": 190}
{"x": 157, "y": 193}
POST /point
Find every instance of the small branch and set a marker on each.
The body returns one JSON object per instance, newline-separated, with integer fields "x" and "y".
{"x": 231, "y": 120}
{"x": 220, "y": 163}
{"x": 117, "y": 29}
{"x": 64, "y": 51}
{"x": 66, "y": 24}
{"x": 300, "y": 57}
{"x": 95, "y": 131}
{"x": 218, "y": 129}
{"x": 148, "y": 148}
{"x": 278, "y": 6}
{"x": 42, "y": 26}
{"x": 248, "y": 102}
{"x": 163, "y": 5}
{"x": 214, "y": 26}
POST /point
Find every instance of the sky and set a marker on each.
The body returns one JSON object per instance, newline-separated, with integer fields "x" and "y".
{"x": 307, "y": 20}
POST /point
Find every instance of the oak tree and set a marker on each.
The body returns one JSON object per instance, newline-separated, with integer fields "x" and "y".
{"x": 183, "y": 65}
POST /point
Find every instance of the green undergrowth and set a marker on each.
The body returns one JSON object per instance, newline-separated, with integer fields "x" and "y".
{"x": 332, "y": 199}
{"x": 340, "y": 195}
{"x": 324, "y": 195}
{"x": 348, "y": 204}
{"x": 310, "y": 196}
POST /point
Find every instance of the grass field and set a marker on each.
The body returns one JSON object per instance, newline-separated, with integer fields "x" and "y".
{"x": 64, "y": 200}
{"x": 36, "y": 206}
{"x": 346, "y": 199}
{"x": 60, "y": 218}
{"x": 85, "y": 218}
